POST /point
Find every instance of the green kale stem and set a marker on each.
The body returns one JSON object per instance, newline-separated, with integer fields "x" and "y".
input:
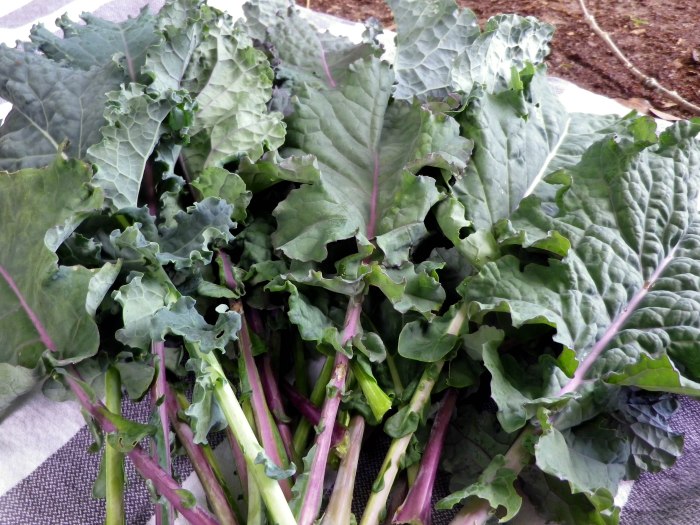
{"x": 217, "y": 498}
{"x": 376, "y": 505}
{"x": 161, "y": 449}
{"x": 339, "y": 506}
{"x": 416, "y": 508}
{"x": 145, "y": 465}
{"x": 255, "y": 514}
{"x": 114, "y": 460}
{"x": 270, "y": 489}
{"x": 301, "y": 435}
{"x": 311, "y": 502}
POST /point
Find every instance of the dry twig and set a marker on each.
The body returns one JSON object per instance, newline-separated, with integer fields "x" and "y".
{"x": 646, "y": 79}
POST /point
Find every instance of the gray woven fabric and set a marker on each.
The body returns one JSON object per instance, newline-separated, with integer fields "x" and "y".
{"x": 671, "y": 497}
{"x": 59, "y": 490}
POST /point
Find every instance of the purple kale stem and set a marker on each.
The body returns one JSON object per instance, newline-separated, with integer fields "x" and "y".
{"x": 238, "y": 459}
{"x": 226, "y": 267}
{"x": 417, "y": 508}
{"x": 164, "y": 513}
{"x": 314, "y": 490}
{"x": 260, "y": 408}
{"x": 215, "y": 493}
{"x": 43, "y": 333}
{"x": 149, "y": 469}
{"x": 255, "y": 321}
{"x": 396, "y": 497}
{"x": 339, "y": 506}
{"x": 274, "y": 399}
{"x": 311, "y": 412}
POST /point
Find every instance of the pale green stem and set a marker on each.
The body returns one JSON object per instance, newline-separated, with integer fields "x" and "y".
{"x": 114, "y": 460}
{"x": 269, "y": 488}
{"x": 339, "y": 506}
{"x": 376, "y": 505}
{"x": 255, "y": 515}
{"x": 395, "y": 377}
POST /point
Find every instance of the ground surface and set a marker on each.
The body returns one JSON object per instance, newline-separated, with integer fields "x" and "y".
{"x": 660, "y": 37}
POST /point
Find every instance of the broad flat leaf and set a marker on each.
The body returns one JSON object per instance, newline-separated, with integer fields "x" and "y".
{"x": 259, "y": 16}
{"x": 592, "y": 460}
{"x": 52, "y": 103}
{"x": 645, "y": 418}
{"x": 100, "y": 284}
{"x": 141, "y": 298}
{"x": 478, "y": 426}
{"x": 136, "y": 115}
{"x": 55, "y": 295}
{"x": 169, "y": 64}
{"x": 627, "y": 293}
{"x": 430, "y": 37}
{"x": 313, "y": 323}
{"x": 181, "y": 318}
{"x": 478, "y": 247}
{"x": 494, "y": 485}
{"x": 516, "y": 135}
{"x": 195, "y": 231}
{"x": 409, "y": 287}
{"x": 555, "y": 502}
{"x": 271, "y": 169}
{"x": 232, "y": 119}
{"x": 306, "y": 55}
{"x": 507, "y": 44}
{"x": 222, "y": 184}
{"x": 134, "y": 126}
{"x": 308, "y": 274}
{"x": 14, "y": 382}
{"x": 364, "y": 151}
{"x": 136, "y": 377}
{"x": 95, "y": 42}
{"x": 428, "y": 342}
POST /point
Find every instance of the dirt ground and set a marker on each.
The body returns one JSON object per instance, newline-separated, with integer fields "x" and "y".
{"x": 660, "y": 37}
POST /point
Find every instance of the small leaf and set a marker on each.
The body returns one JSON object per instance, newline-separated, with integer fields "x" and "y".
{"x": 273, "y": 471}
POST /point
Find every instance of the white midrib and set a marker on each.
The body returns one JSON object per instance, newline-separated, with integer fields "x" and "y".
{"x": 544, "y": 169}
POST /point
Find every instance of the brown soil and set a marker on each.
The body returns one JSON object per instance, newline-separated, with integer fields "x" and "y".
{"x": 659, "y": 36}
